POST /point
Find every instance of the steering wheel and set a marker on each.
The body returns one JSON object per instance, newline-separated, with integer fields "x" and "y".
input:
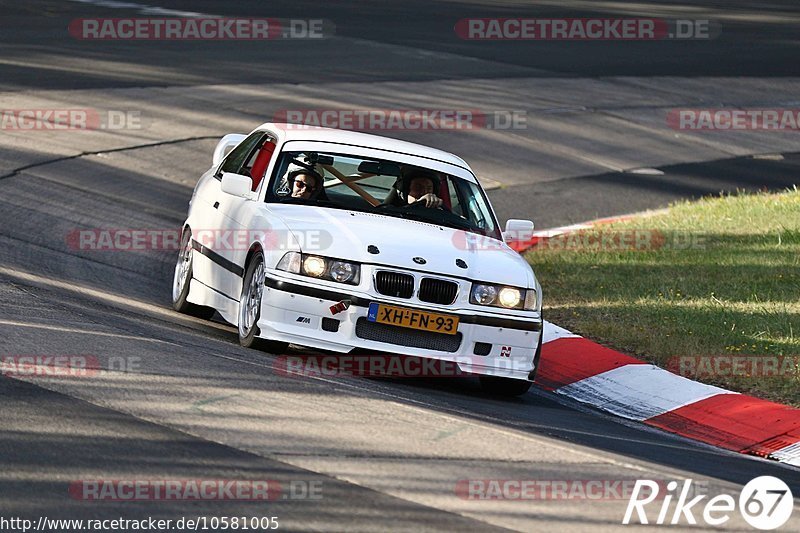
{"x": 418, "y": 203}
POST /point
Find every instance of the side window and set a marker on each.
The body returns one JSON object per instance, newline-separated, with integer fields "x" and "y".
{"x": 455, "y": 201}
{"x": 235, "y": 160}
{"x": 477, "y": 210}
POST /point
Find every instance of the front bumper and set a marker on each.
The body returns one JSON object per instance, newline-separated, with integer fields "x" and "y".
{"x": 488, "y": 343}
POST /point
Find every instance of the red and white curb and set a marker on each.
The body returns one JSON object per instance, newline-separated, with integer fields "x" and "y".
{"x": 608, "y": 380}
{"x": 627, "y": 387}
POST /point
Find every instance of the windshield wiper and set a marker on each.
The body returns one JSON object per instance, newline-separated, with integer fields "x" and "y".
{"x": 308, "y": 201}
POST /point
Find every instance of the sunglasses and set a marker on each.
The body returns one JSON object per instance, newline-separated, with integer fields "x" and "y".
{"x": 303, "y": 185}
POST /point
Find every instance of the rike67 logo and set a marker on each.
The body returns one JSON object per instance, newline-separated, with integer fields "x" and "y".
{"x": 765, "y": 503}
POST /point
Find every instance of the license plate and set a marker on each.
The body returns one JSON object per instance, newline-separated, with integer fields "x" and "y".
{"x": 410, "y": 318}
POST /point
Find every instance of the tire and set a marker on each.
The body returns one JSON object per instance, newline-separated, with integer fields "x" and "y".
{"x": 536, "y": 358}
{"x": 181, "y": 279}
{"x": 250, "y": 308}
{"x": 504, "y": 386}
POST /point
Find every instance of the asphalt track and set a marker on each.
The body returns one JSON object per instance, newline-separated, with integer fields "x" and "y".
{"x": 191, "y": 404}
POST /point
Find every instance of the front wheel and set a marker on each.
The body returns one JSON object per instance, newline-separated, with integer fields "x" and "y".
{"x": 250, "y": 308}
{"x": 182, "y": 279}
{"x": 504, "y": 386}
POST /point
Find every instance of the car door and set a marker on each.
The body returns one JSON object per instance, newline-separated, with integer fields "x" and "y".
{"x": 211, "y": 231}
{"x": 231, "y": 216}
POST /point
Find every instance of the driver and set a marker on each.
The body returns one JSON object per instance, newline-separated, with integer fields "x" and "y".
{"x": 420, "y": 188}
{"x": 416, "y": 186}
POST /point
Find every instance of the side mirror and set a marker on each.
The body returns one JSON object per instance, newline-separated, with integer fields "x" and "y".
{"x": 224, "y": 147}
{"x": 518, "y": 231}
{"x": 237, "y": 185}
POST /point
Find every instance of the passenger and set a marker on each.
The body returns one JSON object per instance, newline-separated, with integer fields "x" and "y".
{"x": 304, "y": 183}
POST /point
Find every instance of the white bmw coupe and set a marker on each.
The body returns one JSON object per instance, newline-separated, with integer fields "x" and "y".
{"x": 340, "y": 240}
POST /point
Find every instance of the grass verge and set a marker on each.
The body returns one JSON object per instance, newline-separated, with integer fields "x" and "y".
{"x": 708, "y": 289}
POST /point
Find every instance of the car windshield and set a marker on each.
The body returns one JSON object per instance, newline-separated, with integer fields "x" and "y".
{"x": 381, "y": 186}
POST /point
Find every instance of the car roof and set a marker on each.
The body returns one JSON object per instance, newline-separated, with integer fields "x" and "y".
{"x": 295, "y": 132}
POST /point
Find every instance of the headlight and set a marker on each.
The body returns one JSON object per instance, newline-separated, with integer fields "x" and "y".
{"x": 342, "y": 271}
{"x": 484, "y": 294}
{"x": 314, "y": 266}
{"x": 510, "y": 297}
{"x": 503, "y": 297}
{"x": 321, "y": 267}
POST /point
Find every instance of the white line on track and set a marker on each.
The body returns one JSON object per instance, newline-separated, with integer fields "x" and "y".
{"x": 105, "y": 296}
{"x": 143, "y": 8}
{"x": 81, "y": 331}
